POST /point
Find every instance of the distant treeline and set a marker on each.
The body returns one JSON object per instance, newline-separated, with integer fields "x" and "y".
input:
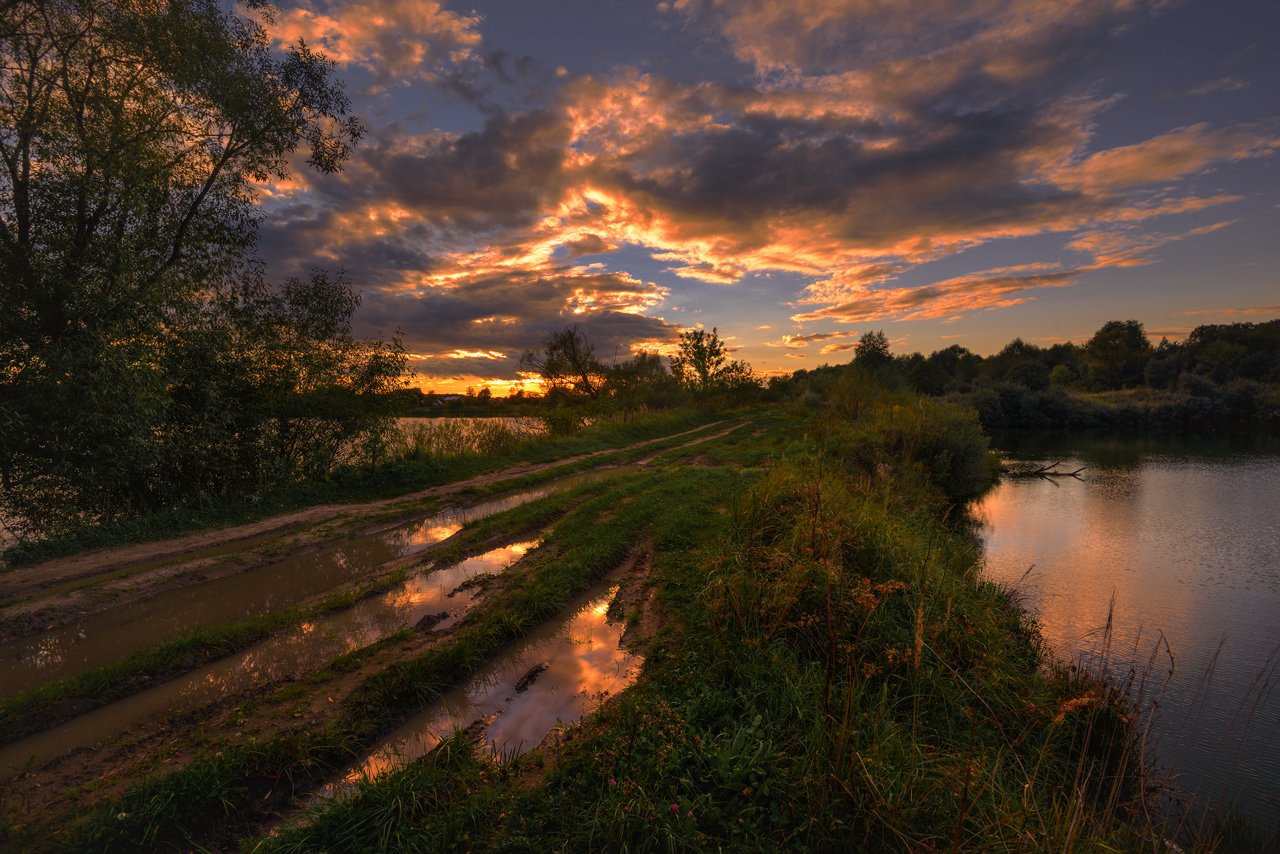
{"x": 1222, "y": 375}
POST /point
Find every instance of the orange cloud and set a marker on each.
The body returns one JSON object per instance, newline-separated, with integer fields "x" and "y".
{"x": 1247, "y": 311}
{"x": 796, "y": 341}
{"x": 400, "y": 40}
{"x": 1129, "y": 249}
{"x": 645, "y": 295}
{"x": 959, "y": 295}
{"x": 1164, "y": 158}
{"x": 1000, "y": 35}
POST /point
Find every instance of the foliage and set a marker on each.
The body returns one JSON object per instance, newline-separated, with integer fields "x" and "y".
{"x": 133, "y": 134}
{"x": 264, "y": 389}
{"x": 567, "y": 363}
{"x": 702, "y": 364}
{"x": 144, "y": 361}
{"x": 941, "y": 443}
{"x": 569, "y": 371}
{"x": 872, "y": 351}
{"x": 572, "y": 375}
{"x": 1117, "y": 354}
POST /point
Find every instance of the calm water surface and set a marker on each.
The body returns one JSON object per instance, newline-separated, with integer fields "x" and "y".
{"x": 1180, "y": 544}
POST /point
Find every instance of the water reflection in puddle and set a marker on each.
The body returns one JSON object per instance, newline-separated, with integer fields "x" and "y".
{"x": 311, "y": 645}
{"x": 585, "y": 664}
{"x": 112, "y": 635}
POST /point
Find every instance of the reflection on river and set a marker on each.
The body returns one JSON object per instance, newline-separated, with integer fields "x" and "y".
{"x": 1179, "y": 544}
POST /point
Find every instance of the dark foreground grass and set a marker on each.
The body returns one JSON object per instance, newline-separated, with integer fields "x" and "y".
{"x": 394, "y": 477}
{"x": 231, "y": 788}
{"x": 835, "y": 676}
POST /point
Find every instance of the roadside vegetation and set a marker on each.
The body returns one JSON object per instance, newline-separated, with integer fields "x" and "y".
{"x": 419, "y": 458}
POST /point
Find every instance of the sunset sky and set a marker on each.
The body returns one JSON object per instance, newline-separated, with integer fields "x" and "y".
{"x": 793, "y": 172}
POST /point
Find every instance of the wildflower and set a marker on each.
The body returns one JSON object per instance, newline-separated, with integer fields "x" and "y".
{"x": 1066, "y": 707}
{"x": 612, "y": 782}
{"x": 675, "y": 808}
{"x": 121, "y": 816}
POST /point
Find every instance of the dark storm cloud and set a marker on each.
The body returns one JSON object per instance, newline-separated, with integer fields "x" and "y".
{"x": 502, "y": 316}
{"x": 500, "y": 176}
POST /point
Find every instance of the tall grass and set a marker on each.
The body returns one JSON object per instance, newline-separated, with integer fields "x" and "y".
{"x": 419, "y": 439}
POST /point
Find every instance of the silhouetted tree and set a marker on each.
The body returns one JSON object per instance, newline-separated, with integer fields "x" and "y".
{"x": 703, "y": 365}
{"x": 137, "y": 338}
{"x": 872, "y": 351}
{"x": 567, "y": 363}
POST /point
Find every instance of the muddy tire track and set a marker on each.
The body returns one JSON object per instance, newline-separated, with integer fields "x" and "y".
{"x": 110, "y": 578}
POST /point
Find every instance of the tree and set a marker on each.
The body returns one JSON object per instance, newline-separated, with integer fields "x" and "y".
{"x": 139, "y": 343}
{"x": 702, "y": 364}
{"x": 961, "y": 365}
{"x": 567, "y": 363}
{"x": 872, "y": 356}
{"x": 132, "y": 135}
{"x": 1117, "y": 354}
{"x": 925, "y": 375}
{"x": 643, "y": 374}
{"x": 872, "y": 350}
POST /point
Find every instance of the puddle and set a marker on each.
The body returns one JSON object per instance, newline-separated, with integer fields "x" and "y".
{"x": 584, "y": 664}
{"x": 306, "y": 648}
{"x": 112, "y": 635}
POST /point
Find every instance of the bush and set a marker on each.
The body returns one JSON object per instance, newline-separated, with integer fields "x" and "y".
{"x": 562, "y": 420}
{"x": 873, "y": 429}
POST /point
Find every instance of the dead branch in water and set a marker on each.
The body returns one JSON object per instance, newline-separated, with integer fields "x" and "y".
{"x": 1046, "y": 472}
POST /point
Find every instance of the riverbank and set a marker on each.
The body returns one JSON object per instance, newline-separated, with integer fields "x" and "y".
{"x": 823, "y": 666}
{"x": 1202, "y": 406}
{"x": 1160, "y": 565}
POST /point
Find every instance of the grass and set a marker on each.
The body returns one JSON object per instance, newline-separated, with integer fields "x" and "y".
{"x": 450, "y": 437}
{"x": 834, "y": 675}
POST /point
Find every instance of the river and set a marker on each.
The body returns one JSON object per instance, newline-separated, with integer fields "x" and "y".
{"x": 1177, "y": 545}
